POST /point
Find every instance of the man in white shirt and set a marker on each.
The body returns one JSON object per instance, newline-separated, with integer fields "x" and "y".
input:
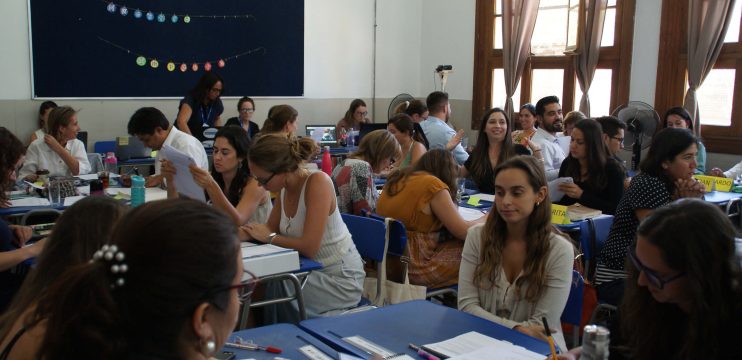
{"x": 732, "y": 173}
{"x": 439, "y": 134}
{"x": 153, "y": 129}
{"x": 549, "y": 116}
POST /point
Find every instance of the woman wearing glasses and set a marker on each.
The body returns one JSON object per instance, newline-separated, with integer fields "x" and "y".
{"x": 246, "y": 109}
{"x": 306, "y": 218}
{"x": 202, "y": 107}
{"x": 169, "y": 286}
{"x": 354, "y": 117}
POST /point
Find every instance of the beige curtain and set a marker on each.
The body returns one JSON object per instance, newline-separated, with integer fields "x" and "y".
{"x": 708, "y": 21}
{"x": 518, "y": 21}
{"x": 587, "y": 60}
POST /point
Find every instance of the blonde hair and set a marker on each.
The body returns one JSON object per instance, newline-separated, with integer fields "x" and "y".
{"x": 58, "y": 117}
{"x": 280, "y": 154}
{"x": 278, "y": 117}
{"x": 377, "y": 146}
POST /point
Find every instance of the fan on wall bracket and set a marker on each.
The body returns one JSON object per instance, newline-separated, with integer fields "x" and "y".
{"x": 396, "y": 107}
{"x": 642, "y": 122}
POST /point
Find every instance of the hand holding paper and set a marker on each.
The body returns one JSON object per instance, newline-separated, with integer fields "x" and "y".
{"x": 182, "y": 178}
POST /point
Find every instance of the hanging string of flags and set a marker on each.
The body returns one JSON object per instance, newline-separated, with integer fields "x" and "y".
{"x": 142, "y": 60}
{"x": 161, "y": 17}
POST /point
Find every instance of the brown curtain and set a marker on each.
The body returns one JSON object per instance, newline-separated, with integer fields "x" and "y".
{"x": 708, "y": 21}
{"x": 518, "y": 21}
{"x": 587, "y": 60}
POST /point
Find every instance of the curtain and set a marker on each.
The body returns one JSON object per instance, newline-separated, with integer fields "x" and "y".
{"x": 708, "y": 21}
{"x": 587, "y": 60}
{"x": 518, "y": 21}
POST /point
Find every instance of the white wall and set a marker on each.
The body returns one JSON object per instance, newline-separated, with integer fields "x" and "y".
{"x": 15, "y": 71}
{"x": 645, "y": 52}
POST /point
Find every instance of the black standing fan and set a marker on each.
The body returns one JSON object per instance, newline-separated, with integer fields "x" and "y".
{"x": 641, "y": 123}
{"x": 398, "y": 100}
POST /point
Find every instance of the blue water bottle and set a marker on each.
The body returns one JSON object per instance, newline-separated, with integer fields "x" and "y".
{"x": 137, "y": 190}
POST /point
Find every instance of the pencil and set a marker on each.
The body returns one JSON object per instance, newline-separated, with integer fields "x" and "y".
{"x": 551, "y": 339}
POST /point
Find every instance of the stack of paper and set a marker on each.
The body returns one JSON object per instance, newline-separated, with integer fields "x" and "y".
{"x": 474, "y": 345}
{"x": 578, "y": 212}
{"x": 266, "y": 259}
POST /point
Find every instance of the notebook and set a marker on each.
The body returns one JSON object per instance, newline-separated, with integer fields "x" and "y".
{"x": 129, "y": 147}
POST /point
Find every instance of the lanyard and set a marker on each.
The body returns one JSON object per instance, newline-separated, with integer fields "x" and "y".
{"x": 205, "y": 120}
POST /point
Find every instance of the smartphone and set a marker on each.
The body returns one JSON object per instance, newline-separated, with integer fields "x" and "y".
{"x": 224, "y": 355}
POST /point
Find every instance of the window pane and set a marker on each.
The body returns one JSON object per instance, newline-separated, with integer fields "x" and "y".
{"x": 733, "y": 30}
{"x": 546, "y": 82}
{"x": 498, "y": 90}
{"x": 600, "y": 93}
{"x": 497, "y": 32}
{"x": 715, "y": 97}
{"x": 611, "y": 2}
{"x": 609, "y": 27}
{"x": 498, "y": 7}
{"x": 550, "y": 33}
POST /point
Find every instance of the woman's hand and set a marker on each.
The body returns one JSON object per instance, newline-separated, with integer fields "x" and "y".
{"x": 455, "y": 140}
{"x": 535, "y": 149}
{"x": 53, "y": 143}
{"x": 571, "y": 189}
{"x": 22, "y": 234}
{"x": 717, "y": 172}
{"x": 258, "y": 232}
{"x": 167, "y": 170}
{"x": 689, "y": 188}
{"x": 573, "y": 354}
{"x": 202, "y": 177}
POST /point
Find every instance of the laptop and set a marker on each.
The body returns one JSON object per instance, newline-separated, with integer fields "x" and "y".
{"x": 323, "y": 134}
{"x": 369, "y": 127}
{"x": 129, "y": 147}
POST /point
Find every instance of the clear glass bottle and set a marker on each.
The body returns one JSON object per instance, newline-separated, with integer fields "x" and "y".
{"x": 595, "y": 343}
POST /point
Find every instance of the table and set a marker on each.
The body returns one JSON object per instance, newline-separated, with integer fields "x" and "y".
{"x": 721, "y": 198}
{"x": 286, "y": 337}
{"x": 419, "y": 322}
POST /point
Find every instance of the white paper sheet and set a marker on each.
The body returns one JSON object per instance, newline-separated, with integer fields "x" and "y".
{"x": 470, "y": 214}
{"x": 71, "y": 200}
{"x": 473, "y": 345}
{"x": 500, "y": 353}
{"x": 88, "y": 176}
{"x": 486, "y": 197}
{"x": 183, "y": 179}
{"x": 30, "y": 201}
{"x": 554, "y": 193}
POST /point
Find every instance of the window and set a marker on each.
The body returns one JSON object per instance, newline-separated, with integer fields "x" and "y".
{"x": 549, "y": 71}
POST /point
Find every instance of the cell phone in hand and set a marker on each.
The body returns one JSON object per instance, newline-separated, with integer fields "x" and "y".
{"x": 224, "y": 355}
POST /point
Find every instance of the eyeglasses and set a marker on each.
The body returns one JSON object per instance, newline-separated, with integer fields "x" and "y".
{"x": 362, "y": 113}
{"x": 620, "y": 139}
{"x": 655, "y": 279}
{"x": 216, "y": 90}
{"x": 244, "y": 288}
{"x": 247, "y": 111}
{"x": 262, "y": 182}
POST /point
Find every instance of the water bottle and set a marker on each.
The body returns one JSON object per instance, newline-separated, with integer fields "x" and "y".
{"x": 351, "y": 138}
{"x": 595, "y": 341}
{"x": 111, "y": 163}
{"x": 137, "y": 190}
{"x": 327, "y": 161}
{"x": 343, "y": 137}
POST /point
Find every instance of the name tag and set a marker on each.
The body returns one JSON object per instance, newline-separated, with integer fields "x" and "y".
{"x": 559, "y": 214}
{"x": 706, "y": 180}
{"x": 715, "y": 183}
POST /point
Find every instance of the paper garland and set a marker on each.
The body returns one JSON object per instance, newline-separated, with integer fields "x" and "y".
{"x": 161, "y": 17}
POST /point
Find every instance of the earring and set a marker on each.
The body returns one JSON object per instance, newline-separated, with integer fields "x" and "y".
{"x": 538, "y": 203}
{"x": 209, "y": 346}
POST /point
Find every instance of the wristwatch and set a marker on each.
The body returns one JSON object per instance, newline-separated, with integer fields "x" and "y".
{"x": 271, "y": 236}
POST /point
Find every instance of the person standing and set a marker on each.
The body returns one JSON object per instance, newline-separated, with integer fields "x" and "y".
{"x": 202, "y": 107}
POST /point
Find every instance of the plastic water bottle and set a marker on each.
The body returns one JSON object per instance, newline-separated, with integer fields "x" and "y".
{"x": 595, "y": 342}
{"x": 343, "y": 137}
{"x": 327, "y": 161}
{"x": 111, "y": 163}
{"x": 137, "y": 190}
{"x": 351, "y": 138}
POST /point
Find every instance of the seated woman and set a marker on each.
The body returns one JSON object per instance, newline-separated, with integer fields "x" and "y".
{"x": 81, "y": 230}
{"x": 598, "y": 178}
{"x": 44, "y": 109}
{"x": 353, "y": 178}
{"x": 229, "y": 186}
{"x": 282, "y": 119}
{"x": 527, "y": 121}
{"x": 403, "y": 128}
{"x": 517, "y": 246}
{"x": 353, "y": 118}
{"x": 418, "y": 112}
{"x": 685, "y": 282}
{"x": 423, "y": 197}
{"x": 678, "y": 117}
{"x": 202, "y": 108}
{"x": 666, "y": 174}
{"x": 570, "y": 120}
{"x": 169, "y": 286}
{"x": 59, "y": 151}
{"x": 306, "y": 218}
{"x": 246, "y": 109}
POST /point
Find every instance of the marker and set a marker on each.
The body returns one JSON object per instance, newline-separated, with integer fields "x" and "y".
{"x": 424, "y": 354}
{"x": 249, "y": 346}
{"x": 551, "y": 339}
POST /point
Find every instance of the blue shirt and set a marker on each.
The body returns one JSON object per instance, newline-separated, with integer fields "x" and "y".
{"x": 439, "y": 133}
{"x": 202, "y": 116}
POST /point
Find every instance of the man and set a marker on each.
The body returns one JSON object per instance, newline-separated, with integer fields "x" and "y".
{"x": 613, "y": 134}
{"x": 439, "y": 134}
{"x": 153, "y": 129}
{"x": 549, "y": 116}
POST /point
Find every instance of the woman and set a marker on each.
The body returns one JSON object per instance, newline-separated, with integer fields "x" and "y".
{"x": 81, "y": 230}
{"x": 684, "y": 284}
{"x": 281, "y": 119}
{"x": 666, "y": 174}
{"x": 229, "y": 186}
{"x": 403, "y": 128}
{"x": 418, "y": 111}
{"x": 353, "y": 178}
{"x": 168, "y": 286}
{"x": 527, "y": 120}
{"x": 570, "y": 120}
{"x": 246, "y": 109}
{"x": 59, "y": 151}
{"x": 679, "y": 118}
{"x": 354, "y": 117}
{"x": 517, "y": 246}
{"x": 597, "y": 178}
{"x": 202, "y": 107}
{"x": 44, "y": 109}
{"x": 305, "y": 218}
{"x": 423, "y": 197}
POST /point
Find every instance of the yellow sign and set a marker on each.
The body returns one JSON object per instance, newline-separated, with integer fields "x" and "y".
{"x": 723, "y": 184}
{"x": 473, "y": 200}
{"x": 559, "y": 214}
{"x": 708, "y": 181}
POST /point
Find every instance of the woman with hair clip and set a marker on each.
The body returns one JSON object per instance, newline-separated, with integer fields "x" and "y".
{"x": 169, "y": 285}
{"x": 684, "y": 292}
{"x": 306, "y": 218}
{"x": 666, "y": 174}
{"x": 418, "y": 112}
{"x": 679, "y": 118}
{"x": 597, "y": 178}
{"x": 354, "y": 117}
{"x": 59, "y": 151}
{"x": 281, "y": 119}
{"x": 229, "y": 186}
{"x": 246, "y": 109}
{"x": 527, "y": 121}
{"x": 403, "y": 128}
{"x": 515, "y": 268}
{"x": 81, "y": 230}
{"x": 44, "y": 109}
{"x": 353, "y": 178}
{"x": 202, "y": 107}
{"x": 423, "y": 197}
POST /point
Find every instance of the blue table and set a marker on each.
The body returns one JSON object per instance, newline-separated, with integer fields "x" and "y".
{"x": 17, "y": 210}
{"x": 286, "y": 337}
{"x": 419, "y": 322}
{"x": 721, "y": 198}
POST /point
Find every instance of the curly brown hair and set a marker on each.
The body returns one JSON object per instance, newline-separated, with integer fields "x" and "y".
{"x": 13, "y": 149}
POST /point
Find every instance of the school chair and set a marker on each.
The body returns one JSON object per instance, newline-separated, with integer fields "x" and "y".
{"x": 96, "y": 162}
{"x": 734, "y": 212}
{"x": 593, "y": 234}
{"x": 40, "y": 216}
{"x": 103, "y": 147}
{"x": 572, "y": 313}
{"x": 369, "y": 236}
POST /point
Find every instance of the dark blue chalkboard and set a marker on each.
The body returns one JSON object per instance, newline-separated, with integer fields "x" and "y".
{"x": 77, "y": 47}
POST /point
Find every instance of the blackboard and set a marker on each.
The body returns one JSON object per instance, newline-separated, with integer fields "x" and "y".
{"x": 88, "y": 49}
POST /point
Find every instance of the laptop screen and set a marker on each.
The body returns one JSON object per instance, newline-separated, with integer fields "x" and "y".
{"x": 323, "y": 134}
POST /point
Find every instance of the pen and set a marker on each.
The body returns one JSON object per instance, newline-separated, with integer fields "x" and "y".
{"x": 424, "y": 354}
{"x": 249, "y": 346}
{"x": 551, "y": 339}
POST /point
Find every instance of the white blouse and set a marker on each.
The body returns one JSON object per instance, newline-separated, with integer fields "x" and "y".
{"x": 40, "y": 156}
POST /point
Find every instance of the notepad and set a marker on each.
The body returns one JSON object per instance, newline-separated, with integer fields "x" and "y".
{"x": 577, "y": 212}
{"x": 30, "y": 201}
{"x": 473, "y": 345}
{"x": 470, "y": 214}
{"x": 267, "y": 259}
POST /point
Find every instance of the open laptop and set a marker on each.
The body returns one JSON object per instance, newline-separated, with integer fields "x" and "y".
{"x": 369, "y": 127}
{"x": 323, "y": 134}
{"x": 129, "y": 147}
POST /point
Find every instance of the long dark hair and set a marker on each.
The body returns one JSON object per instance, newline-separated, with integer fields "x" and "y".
{"x": 237, "y": 138}
{"x": 348, "y": 117}
{"x": 437, "y": 162}
{"x": 180, "y": 253}
{"x": 697, "y": 239}
{"x": 480, "y": 158}
{"x": 666, "y": 145}
{"x": 405, "y": 124}
{"x": 597, "y": 156}
{"x": 13, "y": 149}
{"x": 46, "y": 105}
{"x": 200, "y": 92}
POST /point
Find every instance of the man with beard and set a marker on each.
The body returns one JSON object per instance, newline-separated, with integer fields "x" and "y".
{"x": 437, "y": 130}
{"x": 549, "y": 116}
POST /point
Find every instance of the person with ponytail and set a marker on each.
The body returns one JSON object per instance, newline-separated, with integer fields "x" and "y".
{"x": 306, "y": 218}
{"x": 281, "y": 119}
{"x": 410, "y": 140}
{"x": 169, "y": 285}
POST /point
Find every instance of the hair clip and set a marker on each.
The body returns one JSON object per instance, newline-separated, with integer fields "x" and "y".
{"x": 111, "y": 254}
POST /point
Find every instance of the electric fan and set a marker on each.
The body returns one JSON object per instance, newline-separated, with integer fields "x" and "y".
{"x": 396, "y": 102}
{"x": 641, "y": 123}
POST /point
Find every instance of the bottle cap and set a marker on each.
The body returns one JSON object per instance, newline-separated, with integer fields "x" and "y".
{"x": 137, "y": 180}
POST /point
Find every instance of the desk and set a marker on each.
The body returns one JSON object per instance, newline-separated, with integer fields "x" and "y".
{"x": 151, "y": 194}
{"x": 419, "y": 322}
{"x": 286, "y": 337}
{"x": 721, "y": 198}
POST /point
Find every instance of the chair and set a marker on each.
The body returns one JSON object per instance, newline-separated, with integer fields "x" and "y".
{"x": 572, "y": 313}
{"x": 40, "y": 216}
{"x": 96, "y": 162}
{"x": 103, "y": 147}
{"x": 734, "y": 212}
{"x": 593, "y": 234}
{"x": 369, "y": 236}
